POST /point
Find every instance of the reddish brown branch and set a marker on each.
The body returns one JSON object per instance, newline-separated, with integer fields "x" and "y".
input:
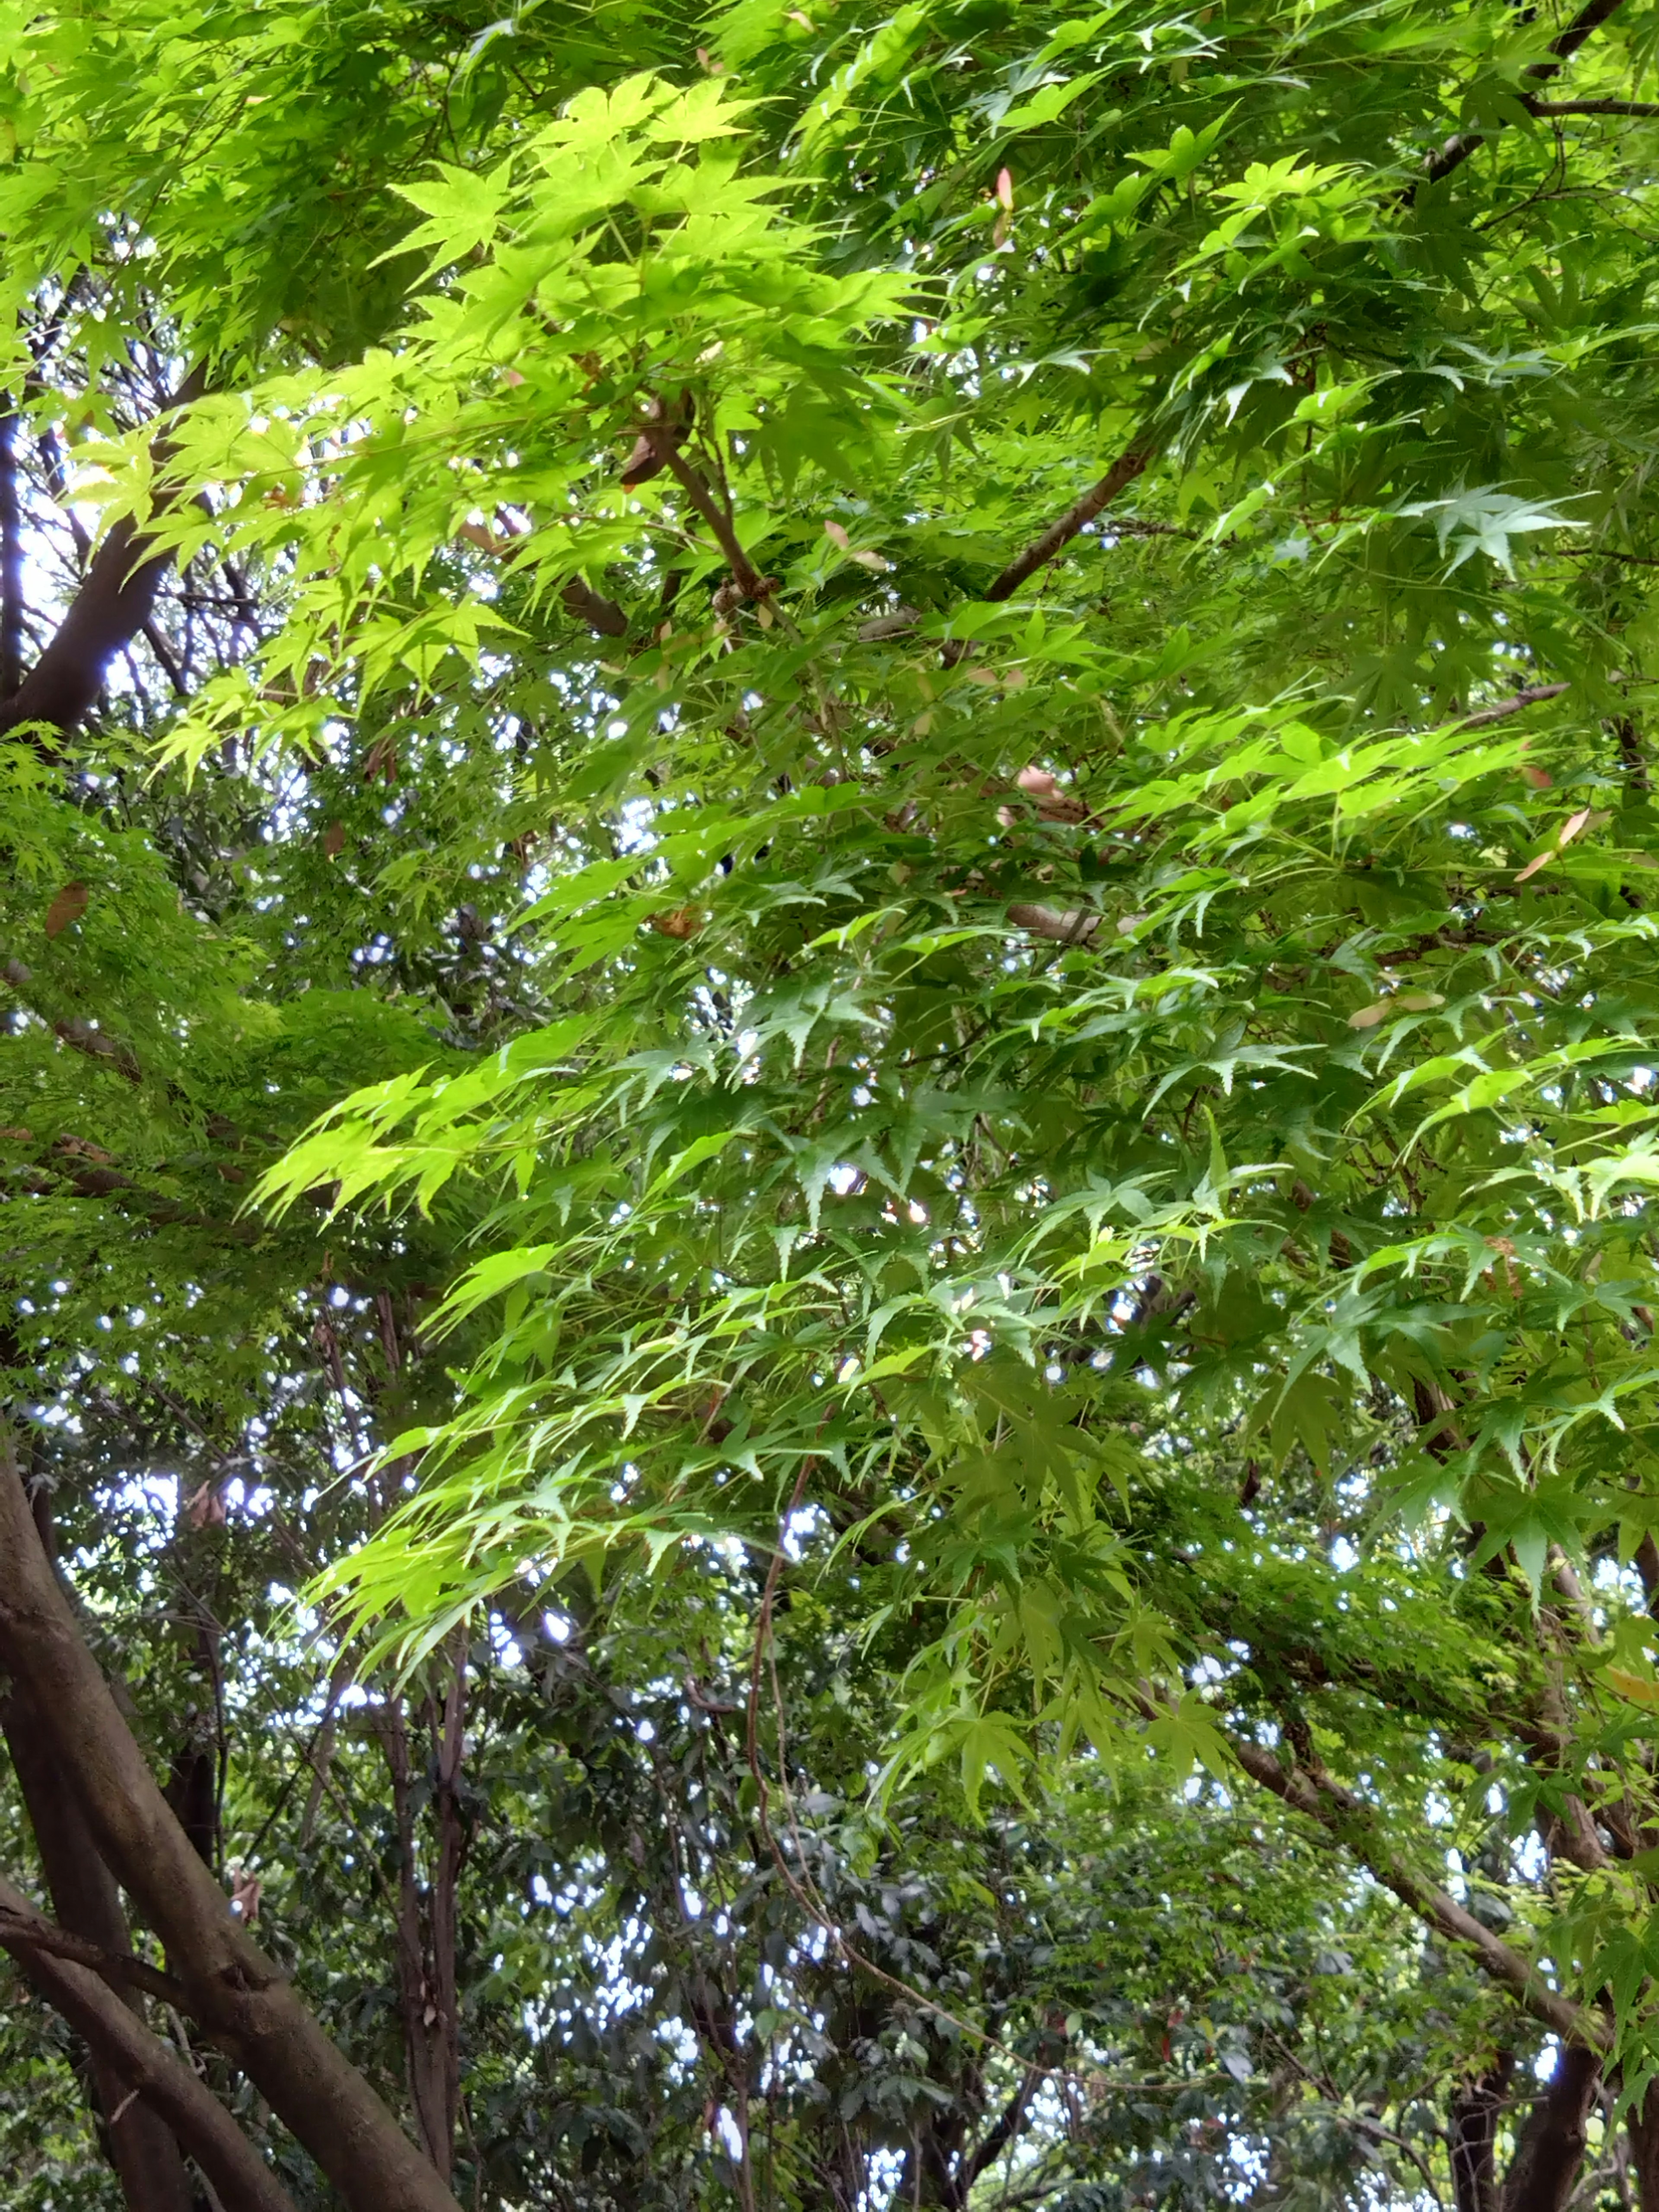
{"x": 1123, "y": 472}
{"x": 108, "y": 612}
{"x": 690, "y": 479}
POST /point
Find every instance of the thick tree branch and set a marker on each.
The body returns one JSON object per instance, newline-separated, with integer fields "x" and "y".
{"x": 1477, "y": 2106}
{"x": 1341, "y": 1815}
{"x": 121, "y": 2044}
{"x": 1006, "y": 2126}
{"x": 108, "y": 612}
{"x": 11, "y": 554}
{"x": 89, "y": 1913}
{"x": 1550, "y": 2147}
{"x": 238, "y": 1996}
{"x": 1076, "y": 926}
{"x": 587, "y": 605}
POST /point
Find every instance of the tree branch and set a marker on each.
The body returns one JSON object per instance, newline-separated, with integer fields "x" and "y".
{"x": 11, "y": 554}
{"x": 89, "y": 1909}
{"x": 108, "y": 612}
{"x": 587, "y": 605}
{"x": 1458, "y": 150}
{"x": 1123, "y": 472}
{"x": 239, "y": 1996}
{"x": 1551, "y": 2147}
{"x": 1501, "y": 710}
{"x": 1593, "y": 106}
{"x": 1341, "y": 1815}
{"x": 1008, "y": 2125}
{"x": 121, "y": 2043}
{"x": 748, "y": 578}
{"x": 113, "y": 1967}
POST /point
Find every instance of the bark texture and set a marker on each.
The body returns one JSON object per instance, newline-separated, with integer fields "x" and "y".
{"x": 1476, "y": 2108}
{"x": 157, "y": 2088}
{"x": 238, "y": 1996}
{"x": 108, "y": 612}
{"x": 1643, "y": 2131}
{"x": 1551, "y": 2150}
{"x": 427, "y": 1927}
{"x": 139, "y": 2144}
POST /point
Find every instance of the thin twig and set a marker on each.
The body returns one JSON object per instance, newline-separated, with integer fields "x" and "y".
{"x": 1458, "y": 150}
{"x": 691, "y": 481}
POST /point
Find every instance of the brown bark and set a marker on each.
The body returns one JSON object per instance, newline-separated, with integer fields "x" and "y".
{"x": 170, "y": 2098}
{"x": 589, "y": 607}
{"x": 11, "y": 553}
{"x": 1001, "y": 2132}
{"x": 239, "y": 1997}
{"x": 1037, "y": 554}
{"x": 426, "y": 1917}
{"x": 88, "y": 1904}
{"x": 1341, "y": 1815}
{"x": 1476, "y": 2108}
{"x": 108, "y": 612}
{"x": 1551, "y": 2150}
{"x": 1642, "y": 2126}
{"x": 692, "y": 483}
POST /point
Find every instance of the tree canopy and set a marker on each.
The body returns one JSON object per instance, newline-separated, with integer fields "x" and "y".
{"x": 830, "y": 948}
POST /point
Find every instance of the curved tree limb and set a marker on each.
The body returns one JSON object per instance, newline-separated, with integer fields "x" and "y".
{"x": 1323, "y": 1800}
{"x": 239, "y": 1996}
{"x": 122, "y": 2045}
{"x": 109, "y": 610}
{"x": 589, "y": 607}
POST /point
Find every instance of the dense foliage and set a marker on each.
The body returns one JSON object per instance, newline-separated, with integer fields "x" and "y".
{"x": 829, "y": 928}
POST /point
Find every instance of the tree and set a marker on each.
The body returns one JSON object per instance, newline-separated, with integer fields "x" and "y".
{"x": 835, "y": 865}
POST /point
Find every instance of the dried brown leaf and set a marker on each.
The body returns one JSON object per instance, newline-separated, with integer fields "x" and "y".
{"x": 68, "y": 905}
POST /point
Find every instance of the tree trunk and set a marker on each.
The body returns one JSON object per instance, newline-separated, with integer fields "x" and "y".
{"x": 84, "y": 1896}
{"x": 11, "y": 552}
{"x": 427, "y": 1927}
{"x": 1545, "y": 2167}
{"x": 241, "y": 2000}
{"x": 1643, "y": 2127}
{"x": 108, "y": 612}
{"x": 139, "y": 2145}
{"x": 1476, "y": 2107}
